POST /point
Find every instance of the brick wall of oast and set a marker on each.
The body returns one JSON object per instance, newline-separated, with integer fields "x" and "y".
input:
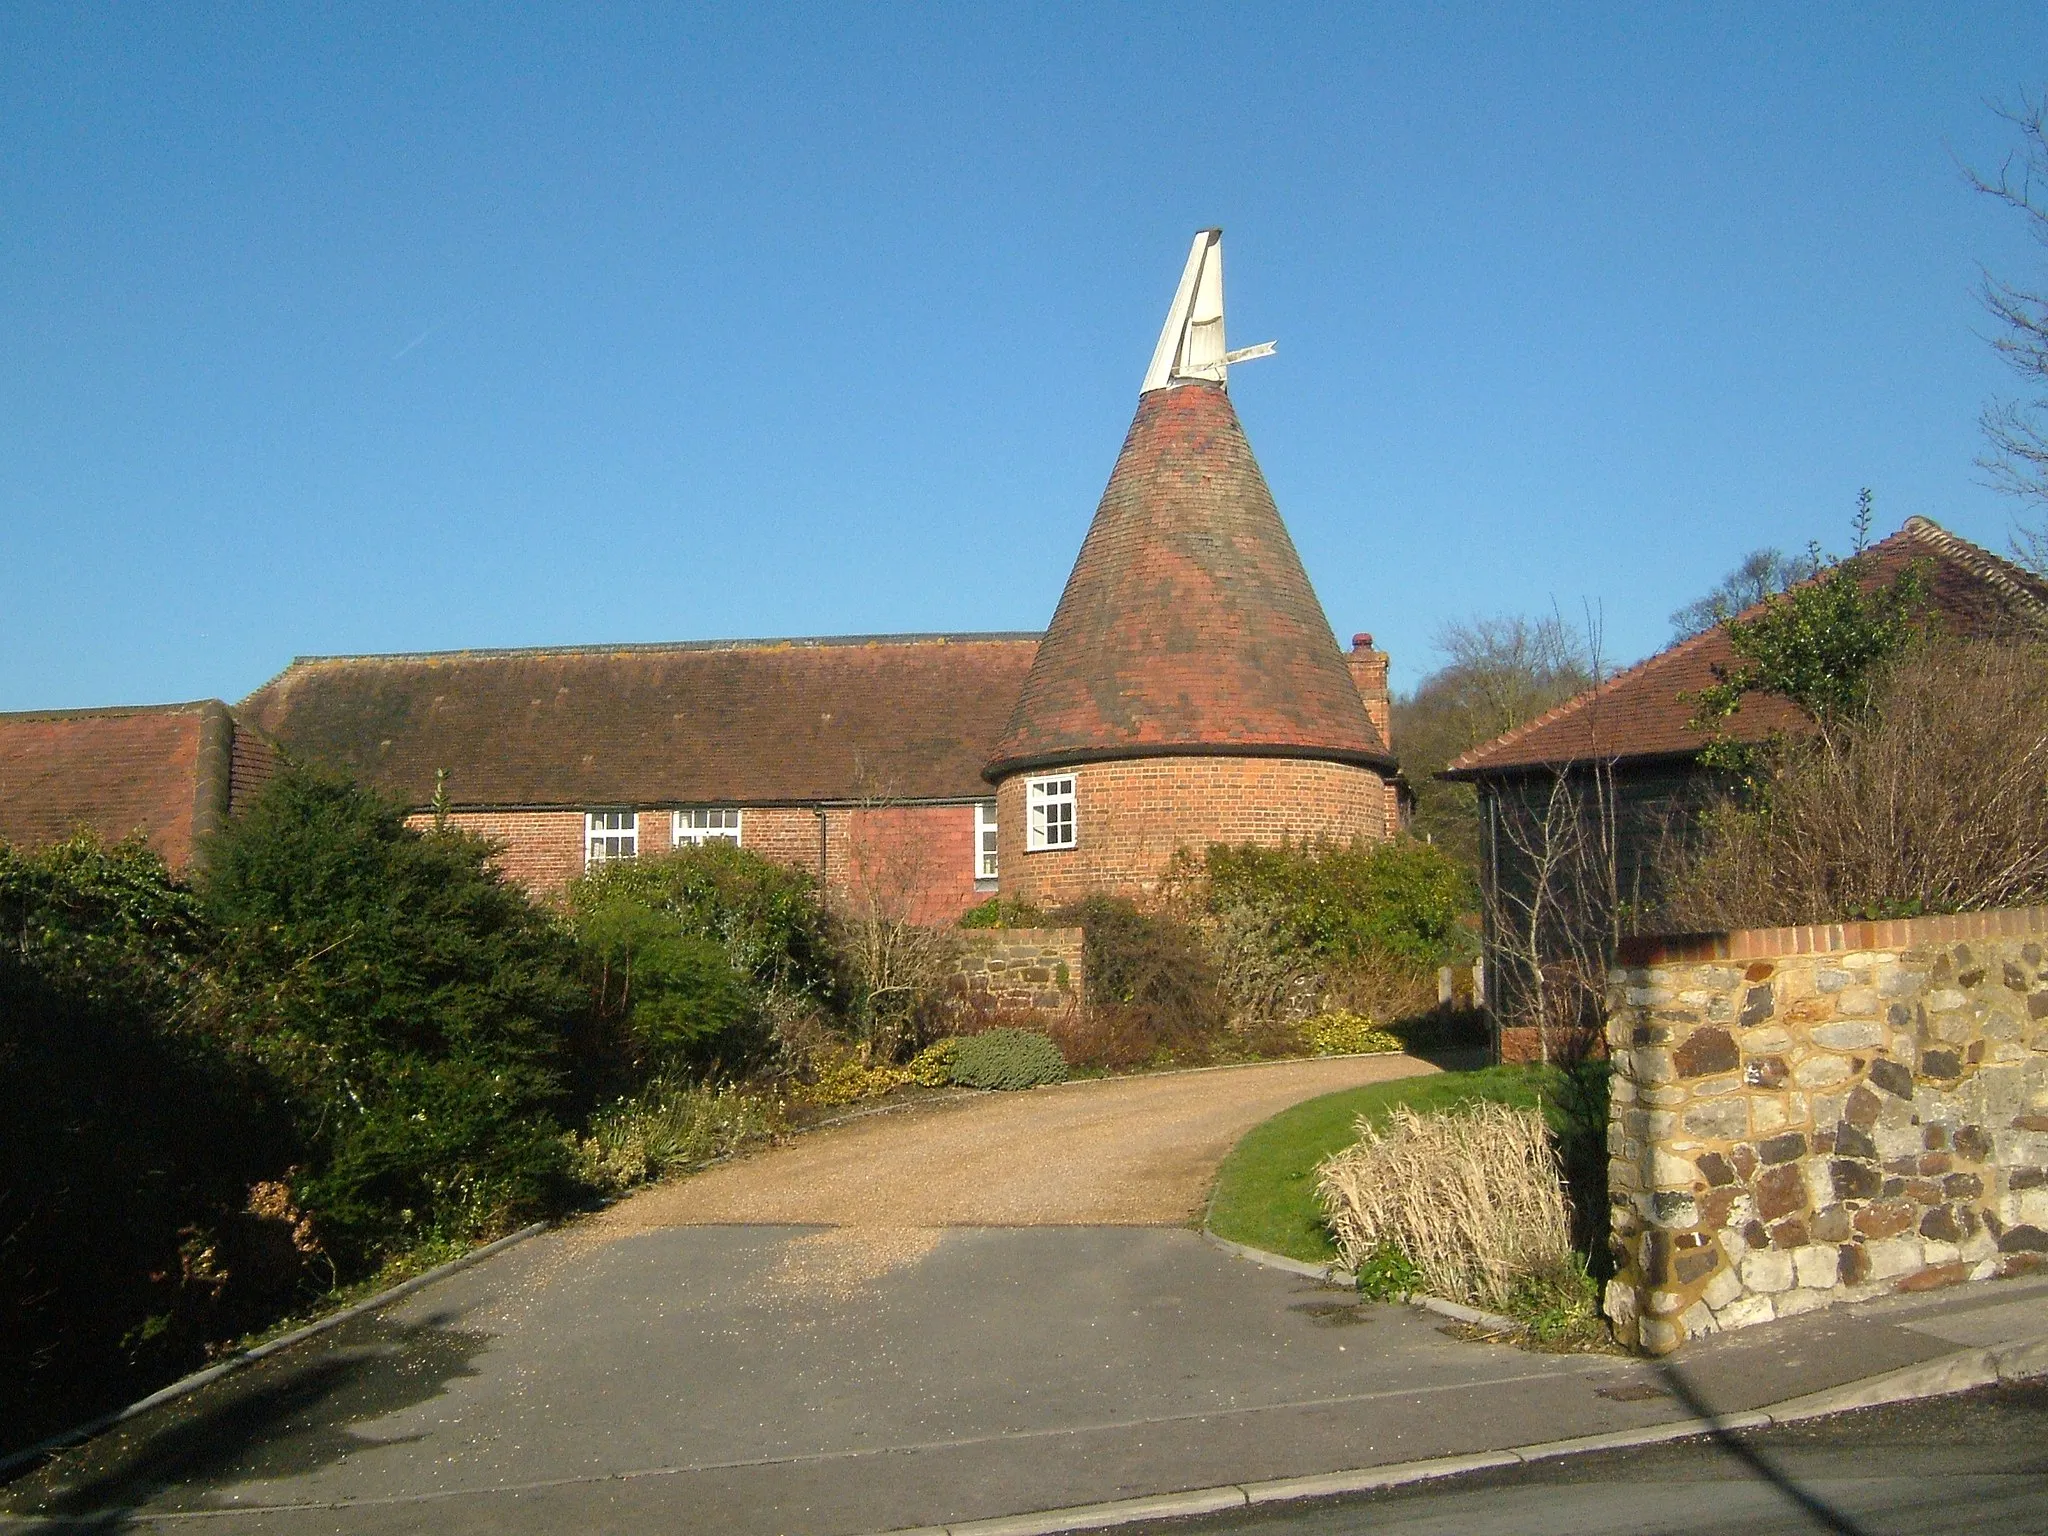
{"x": 915, "y": 860}
{"x": 1131, "y": 816}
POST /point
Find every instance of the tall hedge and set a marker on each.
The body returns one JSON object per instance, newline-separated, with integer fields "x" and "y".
{"x": 416, "y": 1006}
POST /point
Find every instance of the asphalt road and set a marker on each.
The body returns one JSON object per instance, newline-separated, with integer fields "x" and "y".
{"x": 944, "y": 1326}
{"x": 1975, "y": 1462}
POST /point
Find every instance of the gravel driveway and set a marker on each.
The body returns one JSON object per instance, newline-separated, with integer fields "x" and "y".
{"x": 1134, "y": 1151}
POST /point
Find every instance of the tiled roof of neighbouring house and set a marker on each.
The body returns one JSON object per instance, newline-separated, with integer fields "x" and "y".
{"x": 1647, "y": 710}
{"x": 738, "y": 722}
{"x": 169, "y": 772}
{"x": 1188, "y": 623}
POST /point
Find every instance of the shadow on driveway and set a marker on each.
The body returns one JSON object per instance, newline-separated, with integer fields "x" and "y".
{"x": 280, "y": 1418}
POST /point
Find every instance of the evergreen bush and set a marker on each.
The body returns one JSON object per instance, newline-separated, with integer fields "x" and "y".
{"x": 416, "y": 1008}
{"x": 1007, "y": 1059}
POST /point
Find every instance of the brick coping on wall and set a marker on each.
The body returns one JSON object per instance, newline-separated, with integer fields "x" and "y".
{"x": 1832, "y": 938}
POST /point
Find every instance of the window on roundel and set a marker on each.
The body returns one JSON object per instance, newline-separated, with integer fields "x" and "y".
{"x": 694, "y": 828}
{"x": 1049, "y": 806}
{"x": 610, "y": 835}
{"x": 985, "y": 840}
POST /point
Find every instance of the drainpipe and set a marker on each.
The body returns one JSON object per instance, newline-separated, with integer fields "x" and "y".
{"x": 819, "y": 812}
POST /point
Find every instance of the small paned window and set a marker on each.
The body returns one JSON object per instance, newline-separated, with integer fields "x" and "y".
{"x": 985, "y": 840}
{"x": 610, "y": 835}
{"x": 1049, "y": 805}
{"x": 703, "y": 825}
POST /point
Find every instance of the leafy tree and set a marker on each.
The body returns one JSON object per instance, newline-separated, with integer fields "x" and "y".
{"x": 1761, "y": 574}
{"x": 417, "y": 1006}
{"x": 1818, "y": 646}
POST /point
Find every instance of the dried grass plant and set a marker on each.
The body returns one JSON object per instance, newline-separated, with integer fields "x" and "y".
{"x": 1935, "y": 801}
{"x": 1473, "y": 1197}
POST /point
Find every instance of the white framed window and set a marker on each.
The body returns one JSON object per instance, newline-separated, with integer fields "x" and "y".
{"x": 707, "y": 824}
{"x": 1049, "y": 812}
{"x": 610, "y": 835}
{"x": 985, "y": 840}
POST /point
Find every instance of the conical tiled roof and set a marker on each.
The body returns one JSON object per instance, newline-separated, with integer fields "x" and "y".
{"x": 1188, "y": 625}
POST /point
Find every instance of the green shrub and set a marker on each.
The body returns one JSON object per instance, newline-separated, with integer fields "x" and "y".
{"x": 765, "y": 915}
{"x": 1340, "y": 1033}
{"x": 932, "y": 1067}
{"x": 415, "y": 1005}
{"x": 1002, "y": 912}
{"x": 1399, "y": 898}
{"x": 1388, "y": 1274}
{"x": 1007, "y": 1058}
{"x": 672, "y": 996}
{"x": 672, "y": 1125}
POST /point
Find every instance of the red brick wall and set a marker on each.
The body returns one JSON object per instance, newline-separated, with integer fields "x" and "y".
{"x": 1131, "y": 816}
{"x": 1369, "y": 674}
{"x": 543, "y": 849}
{"x": 786, "y": 834}
{"x": 915, "y": 859}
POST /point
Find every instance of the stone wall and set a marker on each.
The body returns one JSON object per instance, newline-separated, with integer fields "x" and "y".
{"x": 1015, "y": 970}
{"x": 1808, "y": 1115}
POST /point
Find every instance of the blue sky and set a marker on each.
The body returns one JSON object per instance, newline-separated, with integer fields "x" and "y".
{"x": 356, "y": 329}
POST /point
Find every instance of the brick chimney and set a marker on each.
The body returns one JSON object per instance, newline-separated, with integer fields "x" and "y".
{"x": 1369, "y": 675}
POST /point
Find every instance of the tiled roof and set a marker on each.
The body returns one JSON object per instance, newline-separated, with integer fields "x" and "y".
{"x": 1647, "y": 710}
{"x": 1188, "y": 623}
{"x": 898, "y": 717}
{"x": 164, "y": 771}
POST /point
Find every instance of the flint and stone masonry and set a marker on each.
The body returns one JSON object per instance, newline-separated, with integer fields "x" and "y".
{"x": 1802, "y": 1116}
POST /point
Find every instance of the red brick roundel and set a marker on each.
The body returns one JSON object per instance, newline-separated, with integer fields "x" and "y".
{"x": 1188, "y": 623}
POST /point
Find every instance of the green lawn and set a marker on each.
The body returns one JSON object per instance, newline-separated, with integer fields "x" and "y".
{"x": 1266, "y": 1191}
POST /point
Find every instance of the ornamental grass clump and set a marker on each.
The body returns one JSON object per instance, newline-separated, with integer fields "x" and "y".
{"x": 1007, "y": 1059}
{"x": 1471, "y": 1199}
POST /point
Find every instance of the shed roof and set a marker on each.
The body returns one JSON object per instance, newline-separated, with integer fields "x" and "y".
{"x": 1647, "y": 710}
{"x": 747, "y": 722}
{"x": 161, "y": 771}
{"x": 1188, "y": 624}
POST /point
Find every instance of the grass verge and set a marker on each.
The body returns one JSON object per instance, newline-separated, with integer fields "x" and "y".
{"x": 1266, "y": 1190}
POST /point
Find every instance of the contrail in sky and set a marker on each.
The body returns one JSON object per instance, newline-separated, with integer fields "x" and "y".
{"x": 423, "y": 335}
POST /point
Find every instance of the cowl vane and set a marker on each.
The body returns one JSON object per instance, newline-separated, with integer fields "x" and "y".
{"x": 1191, "y": 346}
